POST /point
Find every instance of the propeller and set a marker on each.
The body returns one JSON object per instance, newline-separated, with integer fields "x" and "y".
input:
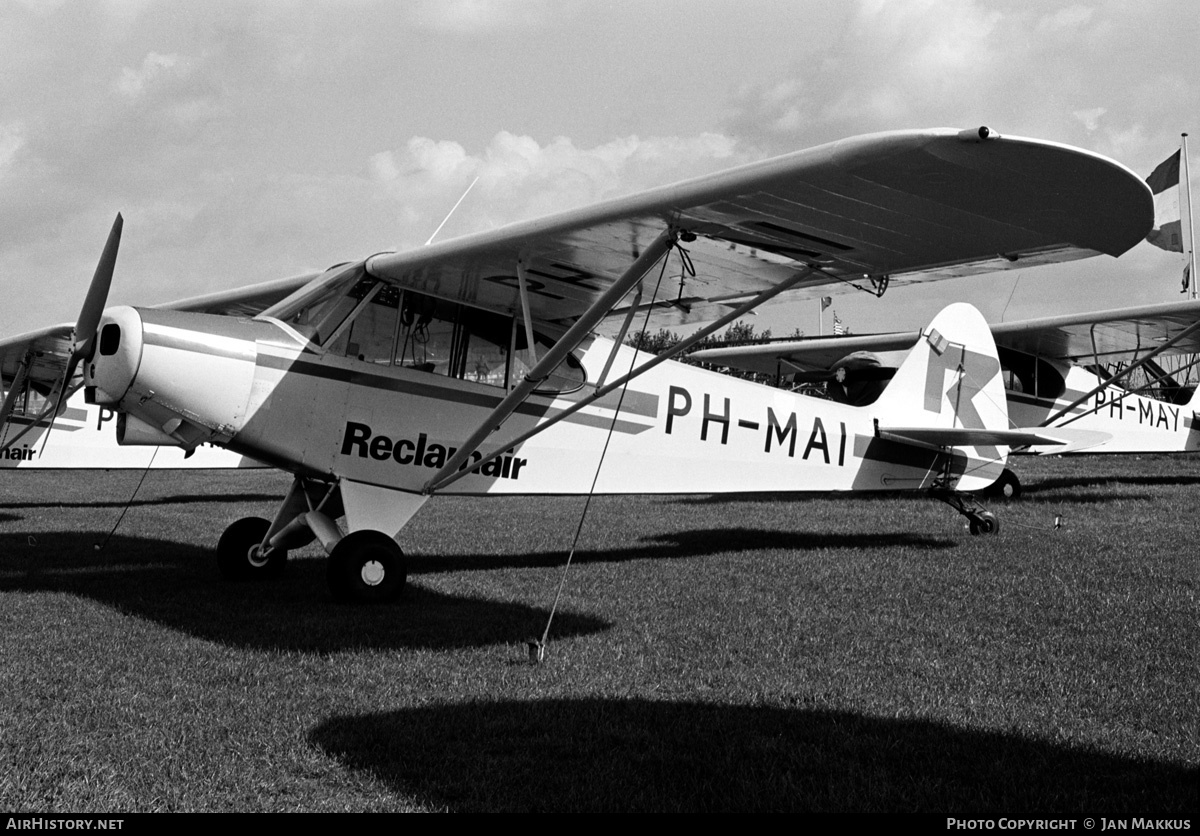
{"x": 96, "y": 299}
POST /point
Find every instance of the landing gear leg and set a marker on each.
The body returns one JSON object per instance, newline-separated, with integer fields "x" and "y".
{"x": 980, "y": 521}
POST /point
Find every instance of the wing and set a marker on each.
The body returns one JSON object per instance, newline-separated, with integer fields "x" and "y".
{"x": 805, "y": 355}
{"x": 894, "y": 208}
{"x": 1122, "y": 334}
{"x": 1096, "y": 337}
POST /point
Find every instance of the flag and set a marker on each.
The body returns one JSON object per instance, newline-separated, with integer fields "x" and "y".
{"x": 1168, "y": 226}
{"x": 826, "y": 301}
{"x": 838, "y": 328}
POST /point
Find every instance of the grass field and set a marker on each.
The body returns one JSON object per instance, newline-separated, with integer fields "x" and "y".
{"x": 754, "y": 653}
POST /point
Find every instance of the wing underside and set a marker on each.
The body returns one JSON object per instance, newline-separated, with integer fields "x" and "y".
{"x": 893, "y": 208}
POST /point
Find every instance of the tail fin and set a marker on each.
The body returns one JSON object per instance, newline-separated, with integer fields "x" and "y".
{"x": 949, "y": 392}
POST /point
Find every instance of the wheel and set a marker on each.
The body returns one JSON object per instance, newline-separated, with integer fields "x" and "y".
{"x": 988, "y": 524}
{"x": 1008, "y": 486}
{"x": 366, "y": 566}
{"x": 239, "y": 556}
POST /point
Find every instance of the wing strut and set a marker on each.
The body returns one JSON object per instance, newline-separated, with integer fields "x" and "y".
{"x": 1186, "y": 332}
{"x": 447, "y": 476}
{"x": 523, "y": 285}
{"x": 565, "y": 344}
{"x": 10, "y": 400}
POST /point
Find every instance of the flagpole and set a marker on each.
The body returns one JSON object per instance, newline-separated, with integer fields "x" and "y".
{"x": 1185, "y": 182}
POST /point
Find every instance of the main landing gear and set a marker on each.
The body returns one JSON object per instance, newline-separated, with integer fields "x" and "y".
{"x": 364, "y": 566}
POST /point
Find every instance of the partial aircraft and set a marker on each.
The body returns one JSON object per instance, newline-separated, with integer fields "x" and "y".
{"x": 83, "y": 435}
{"x": 495, "y": 364}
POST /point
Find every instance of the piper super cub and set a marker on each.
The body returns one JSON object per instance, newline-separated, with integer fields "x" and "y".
{"x": 495, "y": 363}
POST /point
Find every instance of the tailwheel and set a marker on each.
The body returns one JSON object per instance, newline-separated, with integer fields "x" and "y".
{"x": 366, "y": 566}
{"x": 979, "y": 521}
{"x": 241, "y": 554}
{"x": 984, "y": 523}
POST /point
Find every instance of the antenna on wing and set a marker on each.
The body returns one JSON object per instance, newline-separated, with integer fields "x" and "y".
{"x": 451, "y": 212}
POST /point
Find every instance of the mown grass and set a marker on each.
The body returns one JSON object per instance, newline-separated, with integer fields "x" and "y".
{"x": 753, "y": 653}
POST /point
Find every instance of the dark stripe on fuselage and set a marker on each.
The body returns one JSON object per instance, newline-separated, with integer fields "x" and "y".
{"x": 25, "y": 421}
{"x": 358, "y": 377}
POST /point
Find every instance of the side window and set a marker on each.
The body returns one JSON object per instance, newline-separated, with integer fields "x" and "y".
{"x": 1029, "y": 374}
{"x": 469, "y": 344}
{"x": 425, "y": 341}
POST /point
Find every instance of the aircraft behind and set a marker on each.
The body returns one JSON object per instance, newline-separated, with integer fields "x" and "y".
{"x": 1097, "y": 380}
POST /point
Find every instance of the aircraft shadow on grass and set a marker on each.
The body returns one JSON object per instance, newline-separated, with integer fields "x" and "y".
{"x": 642, "y": 756}
{"x": 680, "y": 545}
{"x": 178, "y": 499}
{"x": 177, "y": 585}
{"x": 1048, "y": 490}
{"x": 1075, "y": 482}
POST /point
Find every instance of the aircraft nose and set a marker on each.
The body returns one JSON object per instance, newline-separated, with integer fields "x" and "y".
{"x": 111, "y": 366}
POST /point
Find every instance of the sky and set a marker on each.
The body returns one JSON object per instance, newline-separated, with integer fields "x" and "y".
{"x": 248, "y": 141}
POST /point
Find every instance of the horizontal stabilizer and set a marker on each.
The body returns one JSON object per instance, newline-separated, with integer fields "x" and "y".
{"x": 1079, "y": 440}
{"x": 968, "y": 437}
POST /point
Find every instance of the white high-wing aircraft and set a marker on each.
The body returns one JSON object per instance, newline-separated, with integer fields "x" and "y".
{"x": 1086, "y": 378}
{"x": 483, "y": 365}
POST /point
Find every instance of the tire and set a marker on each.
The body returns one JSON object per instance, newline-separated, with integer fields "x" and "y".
{"x": 367, "y": 567}
{"x": 988, "y": 524}
{"x": 238, "y": 557}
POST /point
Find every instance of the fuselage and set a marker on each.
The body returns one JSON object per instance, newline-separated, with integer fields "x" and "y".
{"x": 259, "y": 388}
{"x": 1124, "y": 422}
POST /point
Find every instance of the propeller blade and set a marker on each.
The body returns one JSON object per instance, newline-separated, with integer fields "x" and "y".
{"x": 97, "y": 295}
{"x": 85, "y": 332}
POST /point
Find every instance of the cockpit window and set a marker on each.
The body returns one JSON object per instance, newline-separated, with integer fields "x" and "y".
{"x": 469, "y": 344}
{"x": 1031, "y": 375}
{"x": 364, "y": 318}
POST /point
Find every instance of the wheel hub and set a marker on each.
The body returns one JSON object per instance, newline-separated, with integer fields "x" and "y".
{"x": 258, "y": 556}
{"x": 372, "y": 573}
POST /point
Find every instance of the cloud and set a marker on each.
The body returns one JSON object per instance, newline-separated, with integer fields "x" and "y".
{"x": 520, "y": 178}
{"x": 474, "y": 17}
{"x": 1070, "y": 18}
{"x": 1090, "y": 118}
{"x": 134, "y": 83}
{"x": 12, "y": 137}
